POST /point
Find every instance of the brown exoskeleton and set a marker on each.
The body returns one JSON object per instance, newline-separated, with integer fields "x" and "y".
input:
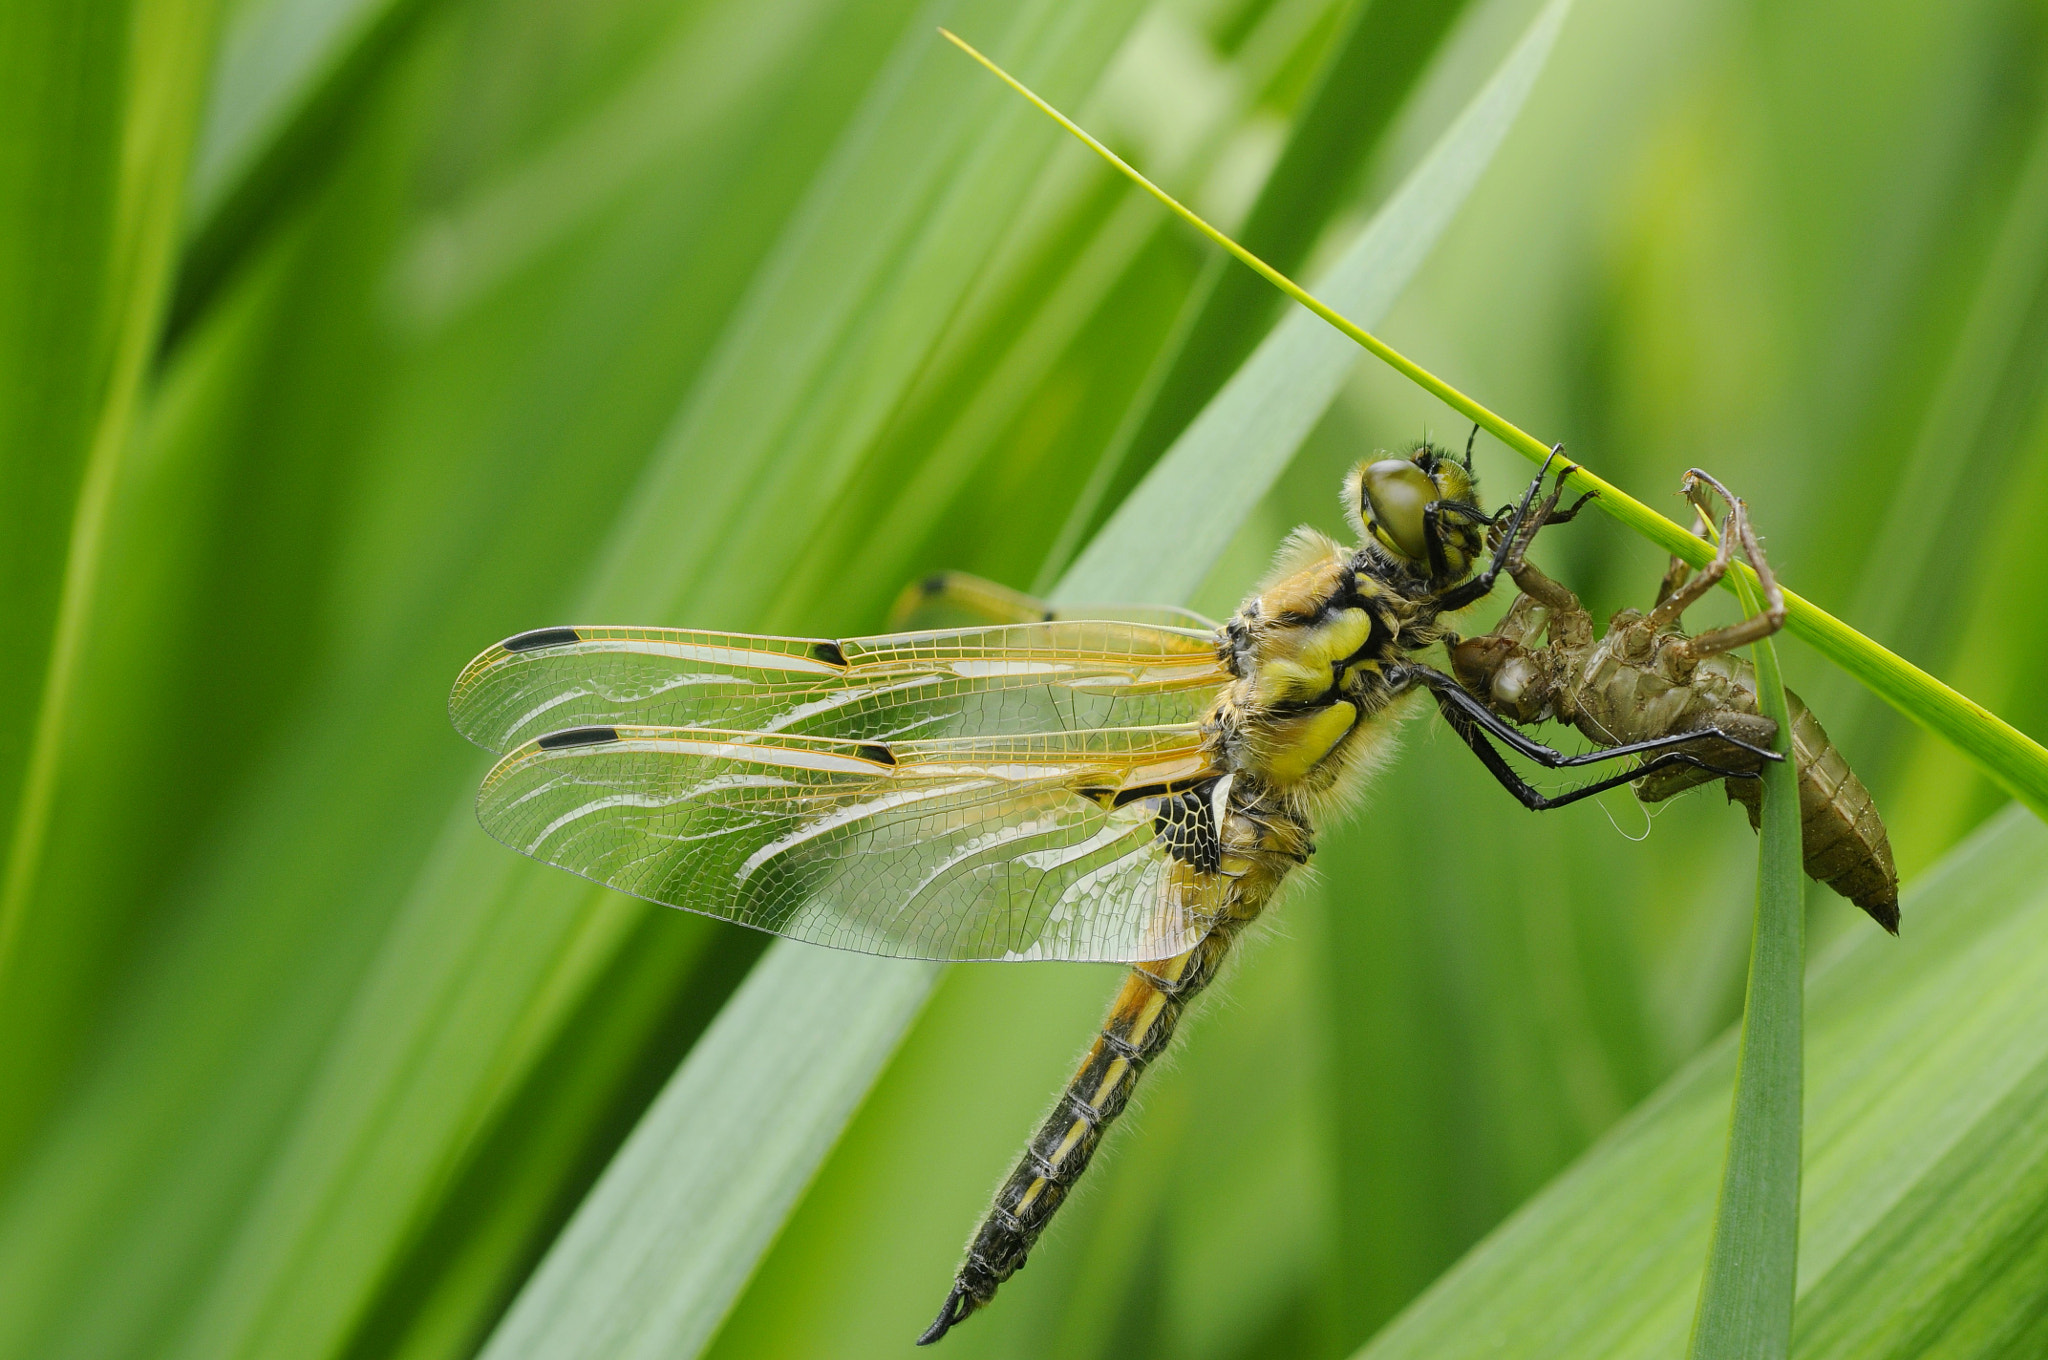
{"x": 1646, "y": 679}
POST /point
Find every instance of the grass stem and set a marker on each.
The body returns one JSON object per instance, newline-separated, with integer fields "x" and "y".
{"x": 1746, "y": 1294}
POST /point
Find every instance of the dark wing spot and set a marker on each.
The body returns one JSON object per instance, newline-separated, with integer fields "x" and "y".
{"x": 934, "y": 585}
{"x": 540, "y": 637}
{"x": 877, "y": 752}
{"x": 577, "y": 736}
{"x": 1188, "y": 829}
{"x": 829, "y": 653}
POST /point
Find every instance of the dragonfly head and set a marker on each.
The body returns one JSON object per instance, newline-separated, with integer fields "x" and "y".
{"x": 1387, "y": 501}
{"x": 1505, "y": 674}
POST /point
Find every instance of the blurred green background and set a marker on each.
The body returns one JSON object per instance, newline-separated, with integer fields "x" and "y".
{"x": 339, "y": 338}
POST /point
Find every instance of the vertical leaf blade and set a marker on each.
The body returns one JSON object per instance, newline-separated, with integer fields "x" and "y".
{"x": 97, "y": 108}
{"x": 1745, "y": 1304}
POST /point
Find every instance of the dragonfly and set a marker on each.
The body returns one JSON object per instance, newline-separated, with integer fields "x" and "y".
{"x": 1647, "y": 677}
{"x": 1133, "y": 787}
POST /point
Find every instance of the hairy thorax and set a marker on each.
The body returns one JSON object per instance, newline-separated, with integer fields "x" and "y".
{"x": 1309, "y": 652}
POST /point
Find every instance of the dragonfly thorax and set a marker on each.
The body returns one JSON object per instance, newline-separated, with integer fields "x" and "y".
{"x": 1309, "y": 652}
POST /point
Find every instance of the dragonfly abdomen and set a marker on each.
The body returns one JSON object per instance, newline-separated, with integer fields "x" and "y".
{"x": 1139, "y": 1027}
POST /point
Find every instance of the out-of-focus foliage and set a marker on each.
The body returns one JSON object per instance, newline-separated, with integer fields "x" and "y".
{"x": 345, "y": 336}
{"x": 1924, "y": 1175}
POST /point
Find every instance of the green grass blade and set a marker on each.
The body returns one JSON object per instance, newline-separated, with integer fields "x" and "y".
{"x": 659, "y": 1251}
{"x": 1246, "y": 435}
{"x": 100, "y": 107}
{"x": 1960, "y": 411}
{"x": 1745, "y": 1303}
{"x": 1926, "y": 1173}
{"x": 2017, "y": 762}
{"x": 273, "y": 59}
{"x": 290, "y": 84}
{"x": 1037, "y": 321}
{"x": 1366, "y": 80}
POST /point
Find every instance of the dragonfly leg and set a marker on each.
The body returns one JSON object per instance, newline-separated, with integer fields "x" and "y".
{"x": 1451, "y": 697}
{"x": 1533, "y": 583}
{"x": 1537, "y": 801}
{"x": 1513, "y": 534}
{"x": 1753, "y": 727}
{"x": 1543, "y": 604}
{"x": 1552, "y": 595}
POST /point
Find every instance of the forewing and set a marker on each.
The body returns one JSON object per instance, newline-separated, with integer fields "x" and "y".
{"x": 1039, "y": 847}
{"x": 1067, "y": 675}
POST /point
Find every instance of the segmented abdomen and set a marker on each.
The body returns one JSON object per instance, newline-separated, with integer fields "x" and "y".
{"x": 1842, "y": 837}
{"x": 1140, "y": 1025}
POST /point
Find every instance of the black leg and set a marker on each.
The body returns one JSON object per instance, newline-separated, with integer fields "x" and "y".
{"x": 1450, "y": 695}
{"x": 1458, "y": 597}
{"x": 1537, "y": 801}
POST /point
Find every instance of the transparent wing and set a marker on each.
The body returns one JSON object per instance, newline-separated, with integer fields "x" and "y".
{"x": 1095, "y": 845}
{"x": 1067, "y": 675}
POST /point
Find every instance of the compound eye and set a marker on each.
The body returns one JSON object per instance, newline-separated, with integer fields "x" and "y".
{"x": 1395, "y": 492}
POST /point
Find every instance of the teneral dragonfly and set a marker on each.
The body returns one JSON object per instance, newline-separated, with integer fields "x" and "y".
{"x": 1110, "y": 789}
